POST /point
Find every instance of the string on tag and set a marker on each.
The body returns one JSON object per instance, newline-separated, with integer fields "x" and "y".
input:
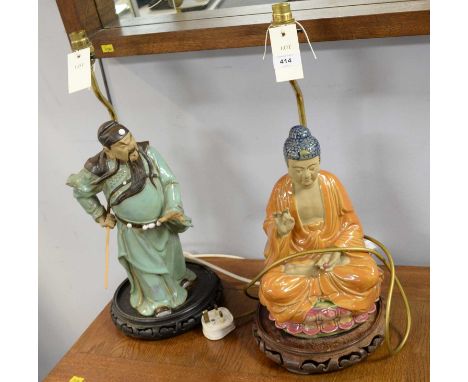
{"x": 307, "y": 37}
{"x": 302, "y": 28}
{"x": 266, "y": 40}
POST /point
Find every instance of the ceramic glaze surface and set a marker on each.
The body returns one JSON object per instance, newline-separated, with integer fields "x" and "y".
{"x": 144, "y": 195}
{"x": 301, "y": 144}
{"x": 326, "y": 321}
{"x": 341, "y": 282}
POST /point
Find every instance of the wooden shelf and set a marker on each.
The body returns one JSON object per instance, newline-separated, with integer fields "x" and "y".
{"x": 103, "y": 353}
{"x": 324, "y": 20}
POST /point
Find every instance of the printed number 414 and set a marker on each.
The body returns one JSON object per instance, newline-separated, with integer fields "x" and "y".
{"x": 285, "y": 60}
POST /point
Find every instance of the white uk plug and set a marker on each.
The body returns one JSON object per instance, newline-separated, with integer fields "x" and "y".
{"x": 217, "y": 323}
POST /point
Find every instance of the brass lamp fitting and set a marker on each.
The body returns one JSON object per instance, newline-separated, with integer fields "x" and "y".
{"x": 282, "y": 15}
{"x": 79, "y": 40}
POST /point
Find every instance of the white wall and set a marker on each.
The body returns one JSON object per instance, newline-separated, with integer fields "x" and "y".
{"x": 220, "y": 120}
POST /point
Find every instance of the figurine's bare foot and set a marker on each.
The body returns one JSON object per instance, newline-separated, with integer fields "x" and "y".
{"x": 344, "y": 259}
{"x": 146, "y": 308}
{"x": 162, "y": 311}
{"x": 332, "y": 262}
{"x": 323, "y": 261}
{"x": 135, "y": 298}
{"x": 336, "y": 258}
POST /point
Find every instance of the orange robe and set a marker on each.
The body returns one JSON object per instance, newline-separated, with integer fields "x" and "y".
{"x": 354, "y": 286}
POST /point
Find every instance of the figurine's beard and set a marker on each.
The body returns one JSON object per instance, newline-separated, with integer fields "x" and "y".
{"x": 133, "y": 155}
{"x": 138, "y": 180}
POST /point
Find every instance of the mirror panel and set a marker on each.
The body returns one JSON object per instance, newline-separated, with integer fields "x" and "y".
{"x": 123, "y": 13}
{"x": 151, "y": 11}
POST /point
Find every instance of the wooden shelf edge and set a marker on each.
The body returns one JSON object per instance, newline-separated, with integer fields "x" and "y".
{"x": 350, "y": 20}
{"x": 327, "y": 29}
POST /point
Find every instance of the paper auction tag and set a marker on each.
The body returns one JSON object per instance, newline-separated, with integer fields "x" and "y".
{"x": 79, "y": 70}
{"x": 286, "y": 54}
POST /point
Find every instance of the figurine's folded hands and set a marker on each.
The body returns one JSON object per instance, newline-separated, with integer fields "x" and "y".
{"x": 308, "y": 269}
{"x": 325, "y": 262}
{"x": 284, "y": 222}
{"x": 329, "y": 260}
{"x": 106, "y": 221}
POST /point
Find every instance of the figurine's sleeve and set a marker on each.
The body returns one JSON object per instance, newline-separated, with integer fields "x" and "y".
{"x": 85, "y": 192}
{"x": 351, "y": 234}
{"x": 276, "y": 246}
{"x": 172, "y": 197}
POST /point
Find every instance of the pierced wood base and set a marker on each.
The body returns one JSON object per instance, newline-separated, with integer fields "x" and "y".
{"x": 318, "y": 355}
{"x": 205, "y": 292}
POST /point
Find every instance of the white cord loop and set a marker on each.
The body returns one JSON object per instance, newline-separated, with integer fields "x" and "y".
{"x": 197, "y": 259}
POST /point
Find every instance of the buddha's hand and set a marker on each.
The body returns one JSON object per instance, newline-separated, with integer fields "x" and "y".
{"x": 329, "y": 260}
{"x": 106, "y": 221}
{"x": 284, "y": 222}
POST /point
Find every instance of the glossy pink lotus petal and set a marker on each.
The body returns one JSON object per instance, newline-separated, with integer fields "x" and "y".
{"x": 280, "y": 326}
{"x": 372, "y": 309}
{"x": 342, "y": 312}
{"x": 329, "y": 326}
{"x": 311, "y": 330}
{"x": 293, "y": 328}
{"x": 309, "y": 321}
{"x": 329, "y": 314}
{"x": 313, "y": 314}
{"x": 361, "y": 318}
{"x": 346, "y": 323}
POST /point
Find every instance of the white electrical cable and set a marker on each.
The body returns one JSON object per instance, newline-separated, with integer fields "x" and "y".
{"x": 198, "y": 257}
{"x": 221, "y": 255}
{"x": 216, "y": 268}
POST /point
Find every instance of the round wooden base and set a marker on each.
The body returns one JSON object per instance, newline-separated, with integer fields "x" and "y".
{"x": 318, "y": 355}
{"x": 205, "y": 293}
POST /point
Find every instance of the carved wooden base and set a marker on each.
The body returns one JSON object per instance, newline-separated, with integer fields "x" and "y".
{"x": 318, "y": 355}
{"x": 205, "y": 292}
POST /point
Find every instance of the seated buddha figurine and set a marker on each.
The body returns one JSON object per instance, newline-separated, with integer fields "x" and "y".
{"x": 316, "y": 294}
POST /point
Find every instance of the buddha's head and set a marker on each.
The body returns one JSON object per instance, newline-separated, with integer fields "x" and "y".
{"x": 118, "y": 142}
{"x": 302, "y": 154}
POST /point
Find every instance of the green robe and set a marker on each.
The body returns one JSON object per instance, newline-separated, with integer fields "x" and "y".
{"x": 153, "y": 258}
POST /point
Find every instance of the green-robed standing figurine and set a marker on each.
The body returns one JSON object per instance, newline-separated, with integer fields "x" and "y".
{"x": 144, "y": 196}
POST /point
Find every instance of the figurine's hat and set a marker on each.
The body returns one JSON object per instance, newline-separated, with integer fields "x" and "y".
{"x": 300, "y": 144}
{"x": 111, "y": 132}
